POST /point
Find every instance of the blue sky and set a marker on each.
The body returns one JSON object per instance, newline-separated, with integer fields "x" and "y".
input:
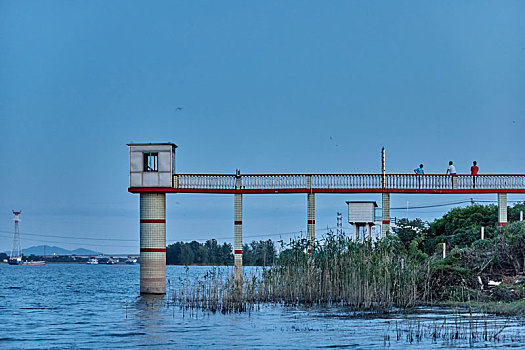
{"x": 268, "y": 87}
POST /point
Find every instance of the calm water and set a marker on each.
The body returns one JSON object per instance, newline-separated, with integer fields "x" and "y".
{"x": 87, "y": 307}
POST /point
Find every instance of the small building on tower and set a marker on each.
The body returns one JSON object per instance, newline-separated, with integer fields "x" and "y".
{"x": 361, "y": 214}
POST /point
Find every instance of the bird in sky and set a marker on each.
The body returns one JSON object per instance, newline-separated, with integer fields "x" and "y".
{"x": 179, "y": 108}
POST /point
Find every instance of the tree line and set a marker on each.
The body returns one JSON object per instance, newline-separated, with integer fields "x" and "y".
{"x": 256, "y": 253}
{"x": 458, "y": 228}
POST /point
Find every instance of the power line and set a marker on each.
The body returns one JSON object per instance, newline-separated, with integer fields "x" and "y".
{"x": 470, "y": 200}
{"x": 299, "y": 232}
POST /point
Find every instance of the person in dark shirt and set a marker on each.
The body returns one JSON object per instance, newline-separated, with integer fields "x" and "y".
{"x": 474, "y": 171}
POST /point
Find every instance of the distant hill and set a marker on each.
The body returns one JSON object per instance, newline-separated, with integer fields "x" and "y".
{"x": 50, "y": 250}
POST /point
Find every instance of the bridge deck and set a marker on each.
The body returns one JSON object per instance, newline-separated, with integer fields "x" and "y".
{"x": 342, "y": 183}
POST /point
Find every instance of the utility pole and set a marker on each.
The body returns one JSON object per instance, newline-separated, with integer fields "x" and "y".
{"x": 383, "y": 168}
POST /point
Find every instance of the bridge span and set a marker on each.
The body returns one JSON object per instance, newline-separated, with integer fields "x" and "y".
{"x": 152, "y": 175}
{"x": 341, "y": 183}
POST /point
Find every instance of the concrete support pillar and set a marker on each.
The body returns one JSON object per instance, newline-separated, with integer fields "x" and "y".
{"x": 385, "y": 208}
{"x": 237, "y": 232}
{"x": 368, "y": 232}
{"x": 152, "y": 243}
{"x": 356, "y": 232}
{"x": 310, "y": 219}
{"x": 502, "y": 208}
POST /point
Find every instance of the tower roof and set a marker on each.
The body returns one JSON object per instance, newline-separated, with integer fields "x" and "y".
{"x": 153, "y": 144}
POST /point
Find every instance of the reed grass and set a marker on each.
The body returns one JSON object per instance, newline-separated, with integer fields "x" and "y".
{"x": 216, "y": 291}
{"x": 338, "y": 271}
{"x": 457, "y": 330}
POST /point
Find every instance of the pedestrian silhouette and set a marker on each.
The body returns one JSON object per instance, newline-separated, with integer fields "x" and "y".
{"x": 474, "y": 172}
{"x": 419, "y": 171}
{"x": 452, "y": 171}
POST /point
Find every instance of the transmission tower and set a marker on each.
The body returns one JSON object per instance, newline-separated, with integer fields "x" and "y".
{"x": 339, "y": 223}
{"x": 15, "y": 248}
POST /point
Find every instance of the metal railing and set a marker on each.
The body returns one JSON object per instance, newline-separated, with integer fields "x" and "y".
{"x": 350, "y": 182}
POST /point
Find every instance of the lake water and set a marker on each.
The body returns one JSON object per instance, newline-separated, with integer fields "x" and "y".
{"x": 97, "y": 306}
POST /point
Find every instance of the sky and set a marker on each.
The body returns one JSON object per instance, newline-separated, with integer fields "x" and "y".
{"x": 264, "y": 87}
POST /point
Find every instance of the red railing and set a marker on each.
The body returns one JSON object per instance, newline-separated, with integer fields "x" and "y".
{"x": 349, "y": 183}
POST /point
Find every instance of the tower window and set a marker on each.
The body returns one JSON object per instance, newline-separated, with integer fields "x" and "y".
{"x": 151, "y": 161}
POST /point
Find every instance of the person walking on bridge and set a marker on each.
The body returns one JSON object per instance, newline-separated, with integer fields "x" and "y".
{"x": 452, "y": 171}
{"x": 474, "y": 172}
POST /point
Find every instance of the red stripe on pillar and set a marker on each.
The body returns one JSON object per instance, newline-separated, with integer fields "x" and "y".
{"x": 311, "y": 222}
{"x": 152, "y": 221}
{"x": 386, "y": 222}
{"x": 308, "y": 251}
{"x": 238, "y": 222}
{"x": 152, "y": 250}
{"x": 237, "y": 251}
{"x": 502, "y": 223}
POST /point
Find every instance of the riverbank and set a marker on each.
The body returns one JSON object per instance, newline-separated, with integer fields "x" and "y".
{"x": 377, "y": 276}
{"x": 512, "y": 308}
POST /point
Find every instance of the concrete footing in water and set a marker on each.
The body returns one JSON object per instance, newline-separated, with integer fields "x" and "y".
{"x": 152, "y": 243}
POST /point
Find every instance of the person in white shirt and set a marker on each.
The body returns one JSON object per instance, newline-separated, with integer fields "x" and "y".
{"x": 451, "y": 168}
{"x": 452, "y": 171}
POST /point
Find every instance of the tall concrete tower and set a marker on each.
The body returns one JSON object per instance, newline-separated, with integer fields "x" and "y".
{"x": 151, "y": 170}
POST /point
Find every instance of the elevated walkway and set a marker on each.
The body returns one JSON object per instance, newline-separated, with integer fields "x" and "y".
{"x": 341, "y": 183}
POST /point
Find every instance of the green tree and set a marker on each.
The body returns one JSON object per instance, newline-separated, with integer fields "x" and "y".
{"x": 410, "y": 230}
{"x": 513, "y": 213}
{"x": 460, "y": 227}
{"x": 412, "y": 234}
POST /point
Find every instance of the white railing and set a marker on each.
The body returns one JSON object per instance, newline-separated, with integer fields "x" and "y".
{"x": 270, "y": 182}
{"x": 350, "y": 182}
{"x": 211, "y": 182}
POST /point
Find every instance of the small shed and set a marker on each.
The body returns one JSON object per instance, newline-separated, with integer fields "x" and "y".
{"x": 362, "y": 214}
{"x": 361, "y": 211}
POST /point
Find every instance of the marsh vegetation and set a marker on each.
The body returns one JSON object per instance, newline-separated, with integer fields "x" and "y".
{"x": 403, "y": 270}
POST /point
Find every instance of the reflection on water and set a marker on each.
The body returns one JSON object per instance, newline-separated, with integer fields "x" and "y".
{"x": 83, "y": 306}
{"x": 147, "y": 312}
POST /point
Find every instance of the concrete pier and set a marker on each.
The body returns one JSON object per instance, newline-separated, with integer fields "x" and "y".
{"x": 502, "y": 208}
{"x": 237, "y": 232}
{"x": 310, "y": 213}
{"x": 385, "y": 217}
{"x": 152, "y": 243}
